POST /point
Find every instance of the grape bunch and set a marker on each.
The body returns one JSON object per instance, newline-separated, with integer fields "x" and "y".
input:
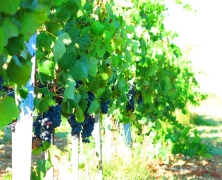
{"x": 78, "y": 83}
{"x": 1, "y": 82}
{"x": 105, "y": 106}
{"x": 44, "y": 125}
{"x": 76, "y": 126}
{"x": 130, "y": 96}
{"x": 140, "y": 99}
{"x": 87, "y": 128}
{"x": 43, "y": 128}
{"x": 37, "y": 127}
{"x": 54, "y": 115}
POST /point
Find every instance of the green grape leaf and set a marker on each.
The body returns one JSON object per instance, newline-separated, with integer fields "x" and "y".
{"x": 9, "y": 29}
{"x": 94, "y": 106}
{"x": 148, "y": 98}
{"x": 37, "y": 151}
{"x": 45, "y": 91}
{"x": 46, "y": 67}
{"x": 99, "y": 46}
{"x": 107, "y": 38}
{"x": 70, "y": 104}
{"x": 1, "y": 40}
{"x": 152, "y": 70}
{"x": 93, "y": 66}
{"x": 66, "y": 39}
{"x": 23, "y": 92}
{"x": 45, "y": 103}
{"x": 43, "y": 166}
{"x": 8, "y": 111}
{"x": 136, "y": 46}
{"x": 45, "y": 145}
{"x": 121, "y": 83}
{"x": 85, "y": 30}
{"x": 117, "y": 39}
{"x": 31, "y": 20}
{"x": 53, "y": 27}
{"x": 115, "y": 60}
{"x": 15, "y": 45}
{"x": 57, "y": 2}
{"x": 79, "y": 115}
{"x": 10, "y": 6}
{"x": 67, "y": 60}
{"x": 96, "y": 83}
{"x": 59, "y": 49}
{"x": 100, "y": 91}
{"x": 79, "y": 70}
{"x": 69, "y": 89}
{"x": 83, "y": 104}
{"x": 19, "y": 74}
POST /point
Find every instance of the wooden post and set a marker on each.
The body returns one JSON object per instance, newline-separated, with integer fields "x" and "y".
{"x": 22, "y": 137}
{"x": 75, "y": 157}
{"x": 109, "y": 138}
{"x": 128, "y": 142}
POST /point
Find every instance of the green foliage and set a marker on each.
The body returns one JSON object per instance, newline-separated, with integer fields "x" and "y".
{"x": 176, "y": 138}
{"x": 42, "y": 167}
{"x": 108, "y": 46}
{"x": 7, "y": 114}
{"x": 184, "y": 143}
{"x": 19, "y": 20}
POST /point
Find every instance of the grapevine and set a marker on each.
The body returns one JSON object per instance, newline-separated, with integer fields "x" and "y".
{"x": 86, "y": 61}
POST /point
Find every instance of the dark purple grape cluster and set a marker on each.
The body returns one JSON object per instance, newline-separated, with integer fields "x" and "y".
{"x": 54, "y": 114}
{"x": 43, "y": 128}
{"x": 78, "y": 83}
{"x": 37, "y": 127}
{"x": 130, "y": 104}
{"x": 140, "y": 99}
{"x": 1, "y": 82}
{"x": 87, "y": 128}
{"x": 76, "y": 126}
{"x": 105, "y": 106}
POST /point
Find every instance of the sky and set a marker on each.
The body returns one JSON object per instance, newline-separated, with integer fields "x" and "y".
{"x": 203, "y": 32}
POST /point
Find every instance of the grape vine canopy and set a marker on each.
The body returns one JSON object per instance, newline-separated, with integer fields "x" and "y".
{"x": 92, "y": 57}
